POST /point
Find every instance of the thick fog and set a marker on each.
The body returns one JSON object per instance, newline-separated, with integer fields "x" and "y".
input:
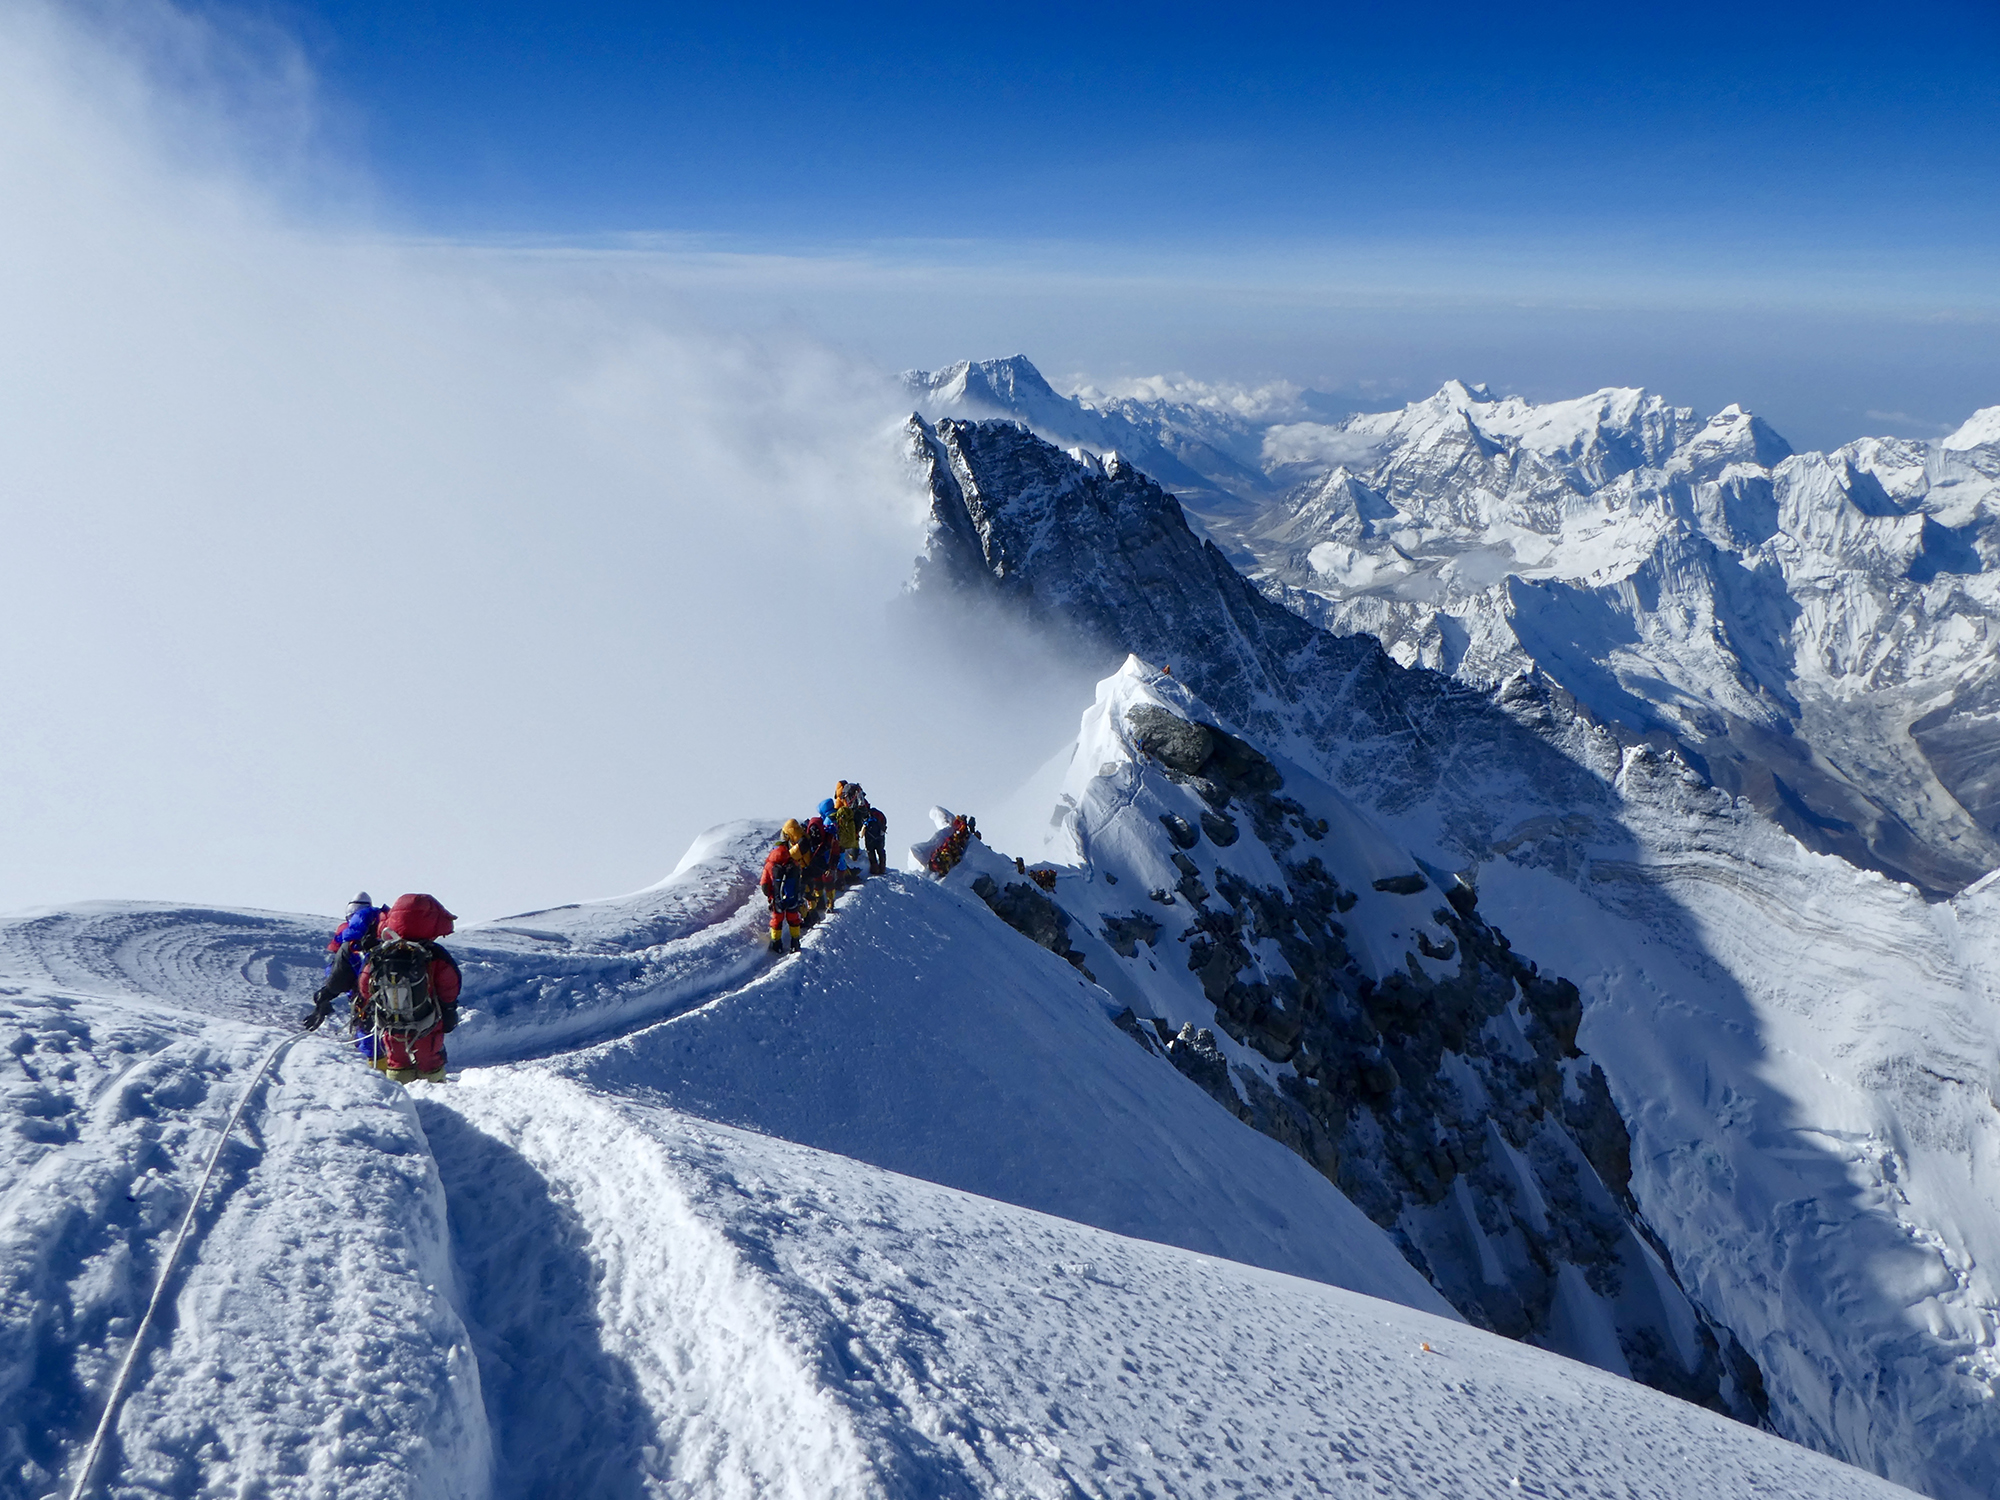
{"x": 334, "y": 563}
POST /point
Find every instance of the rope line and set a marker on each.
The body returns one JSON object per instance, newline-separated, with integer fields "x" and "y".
{"x": 166, "y": 1272}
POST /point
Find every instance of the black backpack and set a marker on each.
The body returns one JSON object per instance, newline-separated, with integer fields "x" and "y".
{"x": 399, "y": 984}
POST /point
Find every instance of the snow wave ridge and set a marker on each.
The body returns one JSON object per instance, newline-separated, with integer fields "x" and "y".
{"x": 803, "y": 1324}
{"x": 314, "y": 1342}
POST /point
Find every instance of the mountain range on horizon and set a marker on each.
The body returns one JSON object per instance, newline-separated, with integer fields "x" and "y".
{"x": 1818, "y": 633}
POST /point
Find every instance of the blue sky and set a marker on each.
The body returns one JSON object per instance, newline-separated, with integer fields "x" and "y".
{"x": 1199, "y": 125}
{"x": 1794, "y": 206}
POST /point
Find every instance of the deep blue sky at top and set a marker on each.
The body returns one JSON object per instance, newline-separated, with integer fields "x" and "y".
{"x": 1693, "y": 155}
{"x": 1870, "y": 124}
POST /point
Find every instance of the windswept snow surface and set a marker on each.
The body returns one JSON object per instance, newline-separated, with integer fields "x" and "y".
{"x": 555, "y": 1277}
{"x": 312, "y": 1344}
{"x": 919, "y": 1034}
{"x": 777, "y": 1320}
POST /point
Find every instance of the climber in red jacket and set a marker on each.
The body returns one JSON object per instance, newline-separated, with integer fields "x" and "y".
{"x": 408, "y": 995}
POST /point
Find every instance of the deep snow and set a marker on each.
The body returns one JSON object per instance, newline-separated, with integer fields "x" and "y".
{"x": 555, "y": 1277}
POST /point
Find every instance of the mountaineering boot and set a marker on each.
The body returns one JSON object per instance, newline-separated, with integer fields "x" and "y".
{"x": 777, "y": 943}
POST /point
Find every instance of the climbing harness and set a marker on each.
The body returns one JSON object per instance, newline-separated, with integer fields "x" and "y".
{"x": 166, "y": 1272}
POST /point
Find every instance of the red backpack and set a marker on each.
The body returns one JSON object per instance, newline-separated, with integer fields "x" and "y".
{"x": 422, "y": 918}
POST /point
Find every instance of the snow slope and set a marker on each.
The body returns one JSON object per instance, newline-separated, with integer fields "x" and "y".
{"x": 790, "y": 1322}
{"x": 314, "y": 1343}
{"x": 1808, "y": 1058}
{"x": 1803, "y": 1051}
{"x": 921, "y": 1035}
{"x": 555, "y": 1276}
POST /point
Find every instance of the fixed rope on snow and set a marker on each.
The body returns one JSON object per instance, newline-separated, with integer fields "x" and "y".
{"x": 131, "y": 1360}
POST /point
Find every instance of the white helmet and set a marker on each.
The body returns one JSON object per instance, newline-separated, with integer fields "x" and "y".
{"x": 361, "y": 900}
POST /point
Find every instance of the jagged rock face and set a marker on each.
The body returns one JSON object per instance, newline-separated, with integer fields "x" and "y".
{"x": 1306, "y": 977}
{"x": 1096, "y": 549}
{"x": 1820, "y": 633}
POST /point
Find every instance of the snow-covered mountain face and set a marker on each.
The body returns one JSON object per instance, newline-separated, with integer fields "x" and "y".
{"x": 573, "y": 1271}
{"x": 1818, "y": 633}
{"x": 1822, "y": 630}
{"x": 1369, "y": 1019}
{"x": 1805, "y": 1053}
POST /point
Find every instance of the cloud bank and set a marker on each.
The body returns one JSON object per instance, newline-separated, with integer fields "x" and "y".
{"x": 336, "y": 563}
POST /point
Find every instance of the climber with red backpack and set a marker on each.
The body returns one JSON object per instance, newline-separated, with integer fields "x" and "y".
{"x": 408, "y": 994}
{"x": 785, "y": 887}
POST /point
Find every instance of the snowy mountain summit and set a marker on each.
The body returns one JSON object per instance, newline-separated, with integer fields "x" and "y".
{"x": 1818, "y": 633}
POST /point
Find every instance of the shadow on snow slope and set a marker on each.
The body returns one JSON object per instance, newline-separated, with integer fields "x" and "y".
{"x": 807, "y": 1326}
{"x": 915, "y": 1032}
{"x": 565, "y": 1411}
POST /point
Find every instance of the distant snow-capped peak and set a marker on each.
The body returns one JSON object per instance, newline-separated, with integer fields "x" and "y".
{"x": 1981, "y": 429}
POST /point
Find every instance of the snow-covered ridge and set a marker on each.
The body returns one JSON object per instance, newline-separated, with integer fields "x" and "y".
{"x": 1803, "y": 1051}
{"x": 569, "y": 1276}
{"x": 1368, "y": 1018}
{"x": 1820, "y": 633}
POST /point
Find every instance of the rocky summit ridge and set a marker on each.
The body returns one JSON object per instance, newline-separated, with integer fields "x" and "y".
{"x": 1818, "y": 633}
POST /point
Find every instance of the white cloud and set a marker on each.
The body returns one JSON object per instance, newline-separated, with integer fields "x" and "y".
{"x": 1261, "y": 403}
{"x": 336, "y": 563}
{"x": 1318, "y": 443}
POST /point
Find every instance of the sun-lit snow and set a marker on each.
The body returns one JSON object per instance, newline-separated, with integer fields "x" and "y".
{"x": 581, "y": 1275}
{"x": 1979, "y": 430}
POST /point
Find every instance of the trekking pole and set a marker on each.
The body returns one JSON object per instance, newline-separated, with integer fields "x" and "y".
{"x": 111, "y": 1405}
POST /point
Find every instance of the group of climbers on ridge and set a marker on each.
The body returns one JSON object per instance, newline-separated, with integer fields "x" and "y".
{"x": 813, "y": 860}
{"x": 949, "y": 849}
{"x": 405, "y": 985}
